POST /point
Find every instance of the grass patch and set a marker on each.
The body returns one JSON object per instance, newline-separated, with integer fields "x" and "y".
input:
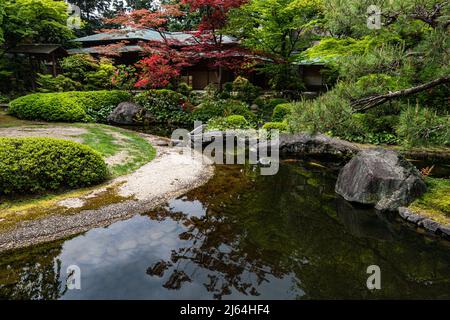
{"x": 140, "y": 150}
{"x": 101, "y": 141}
{"x": 109, "y": 141}
{"x": 435, "y": 203}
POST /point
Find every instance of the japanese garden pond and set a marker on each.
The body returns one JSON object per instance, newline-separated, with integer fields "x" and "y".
{"x": 240, "y": 236}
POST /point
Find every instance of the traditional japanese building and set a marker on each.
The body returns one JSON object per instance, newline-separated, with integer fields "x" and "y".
{"x": 199, "y": 75}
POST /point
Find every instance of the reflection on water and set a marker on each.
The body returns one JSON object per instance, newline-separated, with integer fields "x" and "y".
{"x": 241, "y": 236}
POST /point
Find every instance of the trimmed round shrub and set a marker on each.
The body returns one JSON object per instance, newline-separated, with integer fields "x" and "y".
{"x": 73, "y": 106}
{"x": 32, "y": 165}
{"x": 280, "y": 126}
{"x": 165, "y": 105}
{"x": 232, "y": 122}
{"x": 280, "y": 112}
{"x": 222, "y": 108}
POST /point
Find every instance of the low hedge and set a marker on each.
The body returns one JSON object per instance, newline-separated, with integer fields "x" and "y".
{"x": 47, "y": 106}
{"x": 73, "y": 106}
{"x": 32, "y": 165}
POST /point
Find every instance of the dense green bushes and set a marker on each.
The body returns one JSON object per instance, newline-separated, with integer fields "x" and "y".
{"x": 165, "y": 105}
{"x": 30, "y": 165}
{"x": 75, "y": 106}
{"x": 422, "y": 126}
{"x": 244, "y": 90}
{"x": 280, "y": 126}
{"x": 392, "y": 123}
{"x": 280, "y": 112}
{"x": 61, "y": 83}
{"x": 232, "y": 122}
{"x": 99, "y": 104}
{"x": 47, "y": 106}
{"x": 266, "y": 105}
{"x": 222, "y": 108}
{"x": 90, "y": 73}
{"x": 327, "y": 113}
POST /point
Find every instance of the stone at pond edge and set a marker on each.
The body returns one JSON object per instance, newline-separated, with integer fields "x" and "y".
{"x": 128, "y": 113}
{"x": 406, "y": 214}
{"x": 302, "y": 144}
{"x": 429, "y": 225}
{"x": 380, "y": 177}
{"x": 445, "y": 230}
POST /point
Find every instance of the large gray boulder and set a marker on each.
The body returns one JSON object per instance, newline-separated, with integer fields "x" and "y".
{"x": 303, "y": 144}
{"x": 382, "y": 178}
{"x": 127, "y": 113}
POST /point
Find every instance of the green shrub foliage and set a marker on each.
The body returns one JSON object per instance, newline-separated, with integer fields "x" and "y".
{"x": 267, "y": 104}
{"x": 422, "y": 126}
{"x": 49, "y": 107}
{"x": 232, "y": 122}
{"x": 244, "y": 90}
{"x": 32, "y": 165}
{"x": 280, "y": 112}
{"x": 99, "y": 104}
{"x": 165, "y": 105}
{"x": 280, "y": 126}
{"x": 61, "y": 83}
{"x": 222, "y": 108}
{"x": 74, "y": 106}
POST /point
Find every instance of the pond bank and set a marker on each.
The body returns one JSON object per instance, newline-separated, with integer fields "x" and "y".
{"x": 171, "y": 174}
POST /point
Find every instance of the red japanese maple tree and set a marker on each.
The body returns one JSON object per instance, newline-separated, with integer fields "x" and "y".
{"x": 211, "y": 43}
{"x": 162, "y": 62}
{"x": 166, "y": 57}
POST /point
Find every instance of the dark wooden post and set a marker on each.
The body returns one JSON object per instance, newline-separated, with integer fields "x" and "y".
{"x": 32, "y": 73}
{"x": 54, "y": 64}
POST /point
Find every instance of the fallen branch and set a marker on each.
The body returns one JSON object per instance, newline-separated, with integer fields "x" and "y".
{"x": 373, "y": 101}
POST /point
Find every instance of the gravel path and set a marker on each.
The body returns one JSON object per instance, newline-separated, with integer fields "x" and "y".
{"x": 171, "y": 174}
{"x": 58, "y": 132}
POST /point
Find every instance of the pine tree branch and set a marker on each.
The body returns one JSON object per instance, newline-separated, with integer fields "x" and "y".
{"x": 373, "y": 101}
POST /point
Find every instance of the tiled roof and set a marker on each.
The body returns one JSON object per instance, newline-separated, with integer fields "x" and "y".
{"x": 146, "y": 35}
{"x": 94, "y": 50}
{"x": 35, "y": 48}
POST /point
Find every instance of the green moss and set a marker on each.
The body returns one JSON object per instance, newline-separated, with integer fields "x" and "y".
{"x": 14, "y": 212}
{"x": 435, "y": 203}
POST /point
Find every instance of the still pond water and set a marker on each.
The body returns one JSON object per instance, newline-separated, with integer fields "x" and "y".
{"x": 241, "y": 236}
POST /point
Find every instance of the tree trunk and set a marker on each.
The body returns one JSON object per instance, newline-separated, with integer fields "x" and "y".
{"x": 373, "y": 101}
{"x": 219, "y": 77}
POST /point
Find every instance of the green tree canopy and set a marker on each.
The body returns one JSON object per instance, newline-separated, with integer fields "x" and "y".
{"x": 41, "y": 21}
{"x": 278, "y": 28}
{"x": 2, "y": 12}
